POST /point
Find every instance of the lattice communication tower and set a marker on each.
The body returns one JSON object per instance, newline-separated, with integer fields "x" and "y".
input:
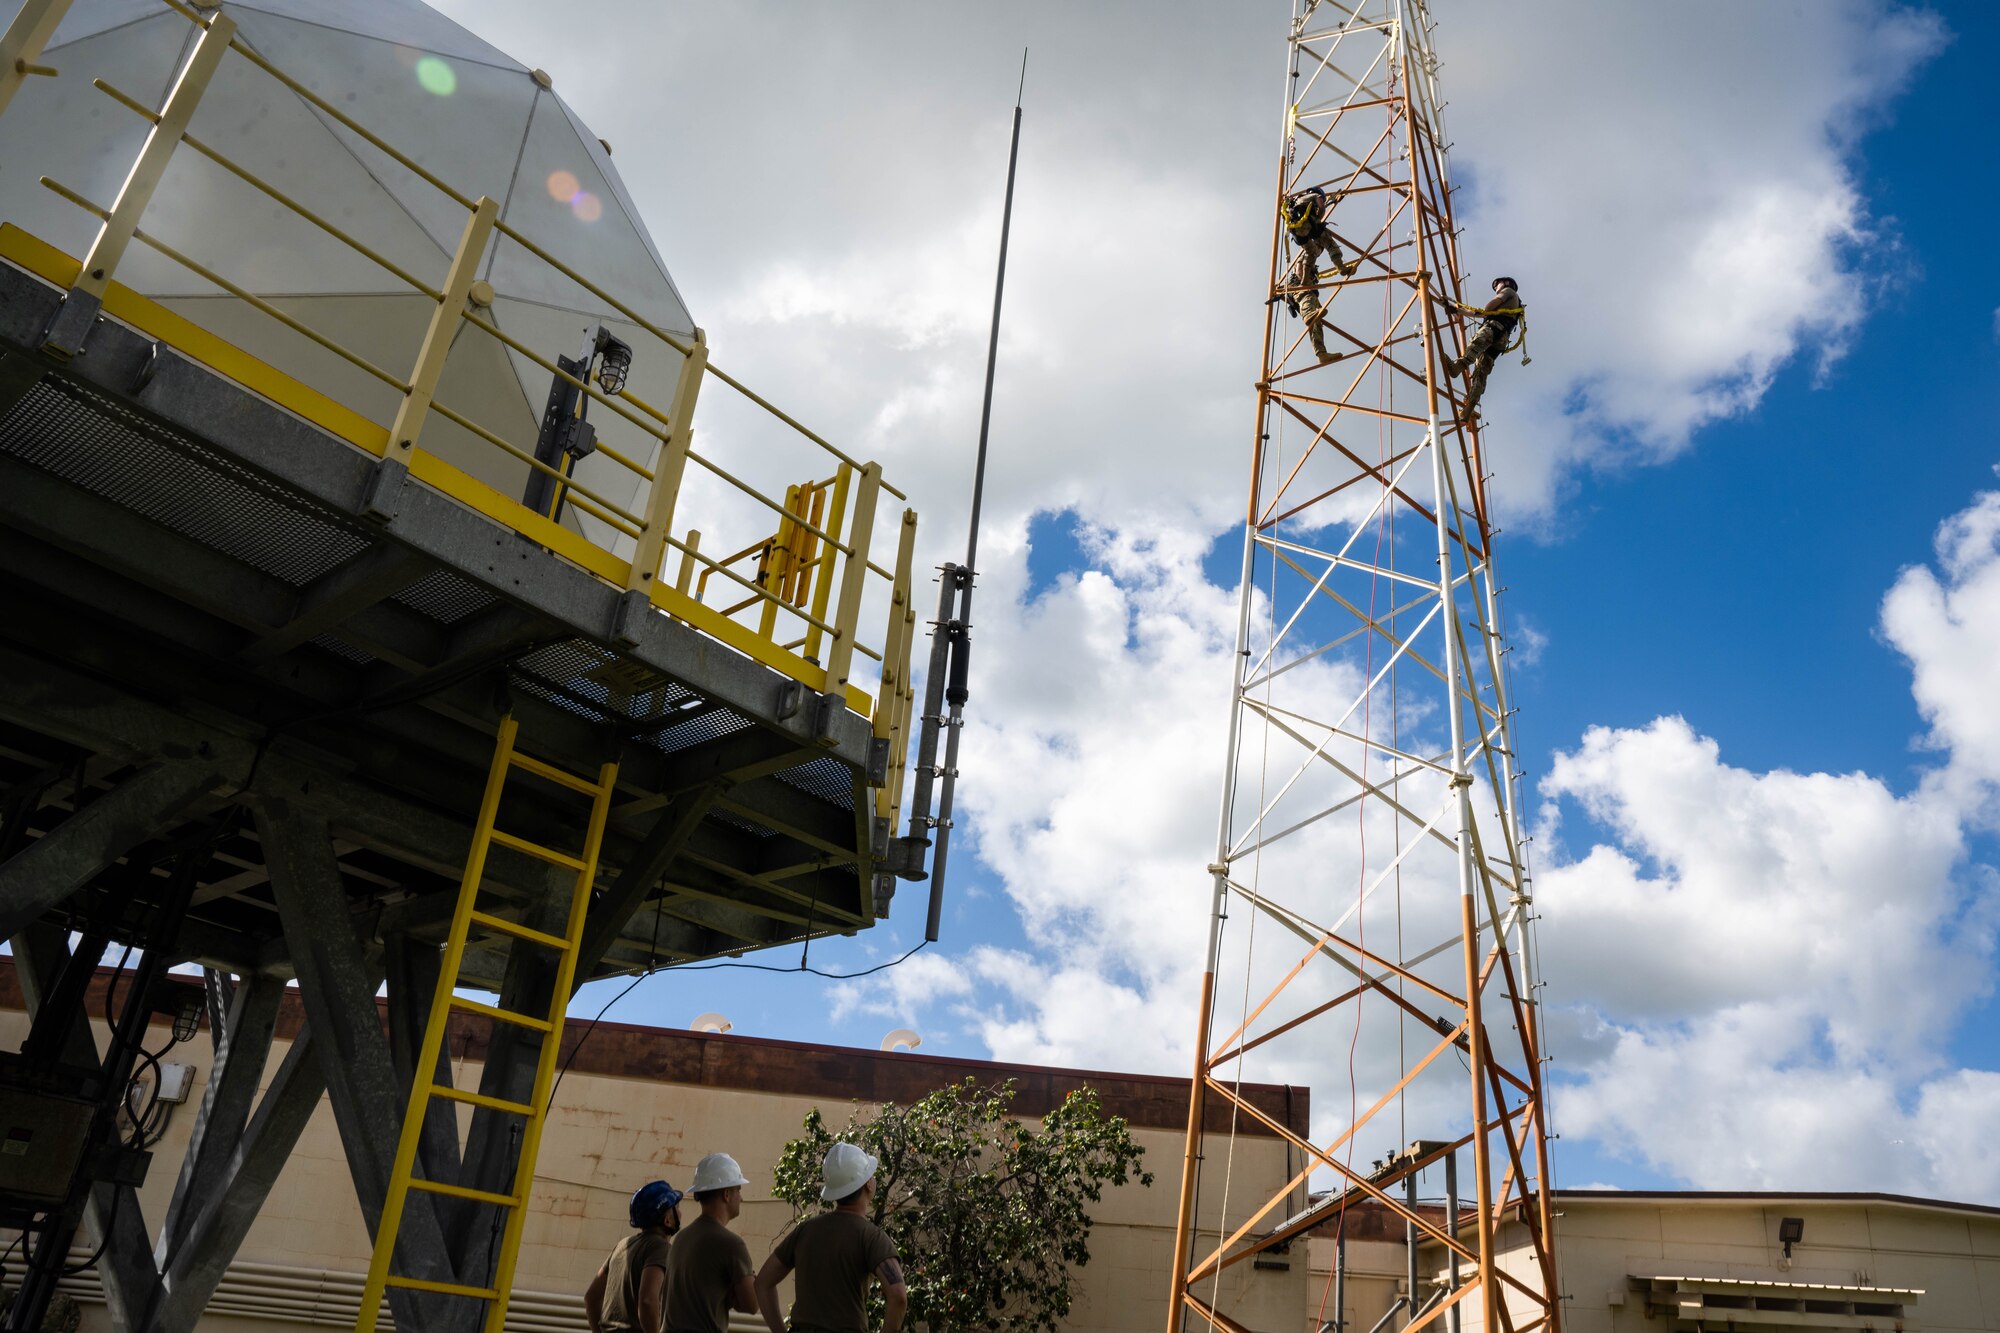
{"x": 1372, "y": 900}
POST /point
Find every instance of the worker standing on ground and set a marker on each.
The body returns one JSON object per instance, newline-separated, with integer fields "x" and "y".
{"x": 708, "y": 1268}
{"x": 628, "y": 1294}
{"x": 1498, "y": 320}
{"x": 834, "y": 1255}
{"x": 1306, "y": 214}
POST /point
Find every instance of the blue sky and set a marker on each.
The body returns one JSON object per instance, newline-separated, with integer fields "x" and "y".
{"x": 1671, "y": 553}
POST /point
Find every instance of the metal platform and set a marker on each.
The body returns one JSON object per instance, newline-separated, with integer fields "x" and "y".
{"x": 199, "y": 609}
{"x": 262, "y": 626}
{"x": 218, "y": 663}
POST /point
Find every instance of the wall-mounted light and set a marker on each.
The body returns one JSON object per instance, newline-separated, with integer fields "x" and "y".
{"x": 567, "y": 433}
{"x": 185, "y": 1003}
{"x": 1791, "y": 1230}
{"x": 614, "y": 362}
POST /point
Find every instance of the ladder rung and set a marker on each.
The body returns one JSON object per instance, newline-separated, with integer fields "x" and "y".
{"x": 536, "y": 849}
{"x": 553, "y": 774}
{"x": 521, "y": 932}
{"x": 480, "y": 1099}
{"x": 501, "y": 1015}
{"x": 442, "y": 1288}
{"x": 464, "y": 1192}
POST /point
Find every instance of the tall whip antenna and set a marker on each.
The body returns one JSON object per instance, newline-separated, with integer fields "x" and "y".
{"x": 951, "y": 642}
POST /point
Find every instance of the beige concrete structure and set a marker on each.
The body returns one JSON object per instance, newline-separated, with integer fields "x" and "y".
{"x": 1664, "y": 1262}
{"x": 1378, "y": 1265}
{"x": 1670, "y": 1261}
{"x": 640, "y": 1103}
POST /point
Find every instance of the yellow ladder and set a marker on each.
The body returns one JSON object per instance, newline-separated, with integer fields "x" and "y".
{"x": 467, "y": 920}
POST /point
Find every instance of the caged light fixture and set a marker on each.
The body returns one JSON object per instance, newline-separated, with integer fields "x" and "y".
{"x": 567, "y": 434}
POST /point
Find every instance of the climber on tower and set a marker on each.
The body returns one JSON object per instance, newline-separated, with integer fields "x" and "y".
{"x": 1498, "y": 319}
{"x": 1305, "y": 215}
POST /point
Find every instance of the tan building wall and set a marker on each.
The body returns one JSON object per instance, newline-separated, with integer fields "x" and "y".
{"x": 1377, "y": 1267}
{"x": 642, "y": 1103}
{"x": 1860, "y": 1256}
{"x": 1950, "y": 1252}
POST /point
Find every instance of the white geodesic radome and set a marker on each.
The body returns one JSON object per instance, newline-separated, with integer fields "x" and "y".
{"x": 466, "y": 112}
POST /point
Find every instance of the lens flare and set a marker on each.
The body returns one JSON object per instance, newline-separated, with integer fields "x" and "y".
{"x": 436, "y": 77}
{"x": 563, "y": 186}
{"x": 587, "y": 206}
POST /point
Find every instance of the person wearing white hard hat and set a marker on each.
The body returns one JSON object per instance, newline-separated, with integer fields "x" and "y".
{"x": 708, "y": 1269}
{"x": 834, "y": 1255}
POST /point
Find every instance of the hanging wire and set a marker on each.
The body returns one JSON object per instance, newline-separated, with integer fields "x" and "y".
{"x": 1256, "y": 877}
{"x": 1264, "y": 426}
{"x": 1276, "y": 465}
{"x": 591, "y": 1026}
{"x": 1387, "y": 400}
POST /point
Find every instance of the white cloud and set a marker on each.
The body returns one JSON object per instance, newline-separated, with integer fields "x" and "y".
{"x": 1722, "y": 887}
{"x": 903, "y": 991}
{"x": 1947, "y": 623}
{"x": 1063, "y": 1014}
{"x": 1671, "y": 185}
{"x": 1674, "y": 187}
{"x": 1955, "y": 1118}
{"x": 1782, "y": 957}
{"x": 1785, "y": 957}
{"x": 1680, "y": 208}
{"x": 1744, "y": 1115}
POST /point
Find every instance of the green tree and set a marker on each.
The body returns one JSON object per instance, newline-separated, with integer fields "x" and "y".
{"x": 987, "y": 1212}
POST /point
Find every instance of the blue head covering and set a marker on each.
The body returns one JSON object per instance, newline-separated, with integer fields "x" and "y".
{"x": 651, "y": 1202}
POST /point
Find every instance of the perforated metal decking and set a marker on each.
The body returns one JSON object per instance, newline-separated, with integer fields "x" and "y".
{"x": 221, "y": 634}
{"x": 267, "y": 592}
{"x": 204, "y": 561}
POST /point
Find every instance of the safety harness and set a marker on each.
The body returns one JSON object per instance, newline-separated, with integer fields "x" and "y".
{"x": 1304, "y": 213}
{"x": 1520, "y": 330}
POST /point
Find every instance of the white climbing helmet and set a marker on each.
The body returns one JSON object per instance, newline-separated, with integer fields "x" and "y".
{"x": 717, "y": 1171}
{"x": 845, "y": 1169}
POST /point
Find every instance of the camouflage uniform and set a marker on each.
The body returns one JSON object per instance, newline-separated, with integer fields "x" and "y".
{"x": 1484, "y": 350}
{"x": 1301, "y": 281}
{"x": 64, "y": 1316}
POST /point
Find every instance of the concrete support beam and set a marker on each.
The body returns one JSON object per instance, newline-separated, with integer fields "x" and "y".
{"x": 659, "y": 849}
{"x": 741, "y": 756}
{"x": 412, "y": 967}
{"x": 785, "y": 809}
{"x": 251, "y": 1167}
{"x": 377, "y": 573}
{"x": 83, "y": 711}
{"x": 738, "y": 923}
{"x": 827, "y": 898}
{"x": 43, "y": 874}
{"x": 337, "y": 984}
{"x": 226, "y": 1104}
{"x": 41, "y": 952}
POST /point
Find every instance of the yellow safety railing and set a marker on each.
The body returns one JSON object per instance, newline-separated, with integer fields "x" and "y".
{"x": 798, "y": 609}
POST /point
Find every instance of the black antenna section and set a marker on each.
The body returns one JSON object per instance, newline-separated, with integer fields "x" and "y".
{"x": 951, "y": 638}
